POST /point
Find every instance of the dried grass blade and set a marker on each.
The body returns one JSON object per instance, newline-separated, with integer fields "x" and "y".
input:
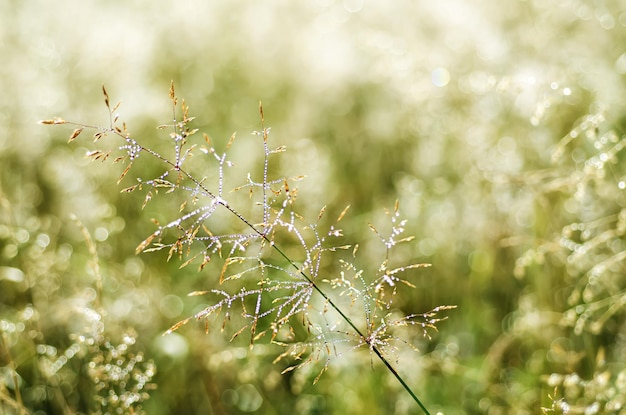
{"x": 241, "y": 330}
{"x": 319, "y": 375}
{"x": 322, "y": 210}
{"x": 343, "y": 213}
{"x": 106, "y": 97}
{"x": 54, "y": 121}
{"x": 230, "y": 140}
{"x": 197, "y": 293}
{"x": 177, "y": 326}
{"x": 75, "y": 134}
{"x": 173, "y": 94}
{"x": 124, "y": 173}
{"x": 142, "y": 246}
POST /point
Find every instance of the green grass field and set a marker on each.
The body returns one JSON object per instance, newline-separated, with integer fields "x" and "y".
{"x": 498, "y": 128}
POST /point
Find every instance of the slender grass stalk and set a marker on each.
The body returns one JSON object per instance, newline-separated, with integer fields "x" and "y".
{"x": 274, "y": 246}
{"x": 375, "y": 338}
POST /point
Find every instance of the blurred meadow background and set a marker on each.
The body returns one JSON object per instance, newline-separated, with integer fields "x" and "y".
{"x": 499, "y": 127}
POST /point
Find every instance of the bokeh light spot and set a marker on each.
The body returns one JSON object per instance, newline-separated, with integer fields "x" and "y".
{"x": 173, "y": 345}
{"x": 440, "y": 77}
{"x": 171, "y": 306}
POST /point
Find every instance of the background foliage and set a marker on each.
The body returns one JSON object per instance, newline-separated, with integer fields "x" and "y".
{"x": 498, "y": 126}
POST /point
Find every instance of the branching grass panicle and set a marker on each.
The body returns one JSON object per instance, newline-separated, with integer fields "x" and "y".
{"x": 286, "y": 279}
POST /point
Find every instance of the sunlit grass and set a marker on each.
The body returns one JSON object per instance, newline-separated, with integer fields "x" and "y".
{"x": 459, "y": 111}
